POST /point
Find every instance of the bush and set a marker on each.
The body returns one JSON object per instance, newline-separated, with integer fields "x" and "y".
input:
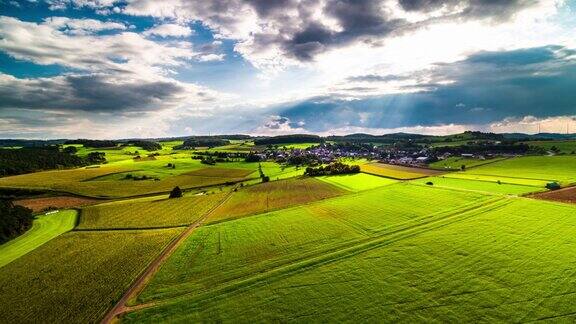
{"x": 552, "y": 186}
{"x": 430, "y": 183}
{"x": 331, "y": 169}
{"x": 175, "y": 193}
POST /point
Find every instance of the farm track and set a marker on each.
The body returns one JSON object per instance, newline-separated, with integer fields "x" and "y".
{"x": 153, "y": 267}
{"x": 341, "y": 252}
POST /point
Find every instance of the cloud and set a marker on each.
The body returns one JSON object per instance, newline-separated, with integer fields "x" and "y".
{"x": 482, "y": 89}
{"x": 98, "y": 93}
{"x": 58, "y": 41}
{"x": 169, "y": 30}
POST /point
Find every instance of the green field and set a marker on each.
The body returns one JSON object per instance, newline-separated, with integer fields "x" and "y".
{"x": 357, "y": 182}
{"x": 476, "y": 266}
{"x": 219, "y": 254}
{"x": 44, "y": 229}
{"x": 148, "y": 214}
{"x": 273, "y": 195}
{"x": 77, "y": 276}
{"x": 456, "y": 163}
{"x": 479, "y": 185}
{"x": 542, "y": 168}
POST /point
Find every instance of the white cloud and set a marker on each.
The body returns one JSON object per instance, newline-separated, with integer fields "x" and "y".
{"x": 533, "y": 125}
{"x": 169, "y": 30}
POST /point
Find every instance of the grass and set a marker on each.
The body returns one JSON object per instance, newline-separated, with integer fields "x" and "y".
{"x": 357, "y": 182}
{"x": 495, "y": 178}
{"x": 78, "y": 276}
{"x": 269, "y": 196}
{"x": 479, "y": 185}
{"x": 148, "y": 214}
{"x": 44, "y": 229}
{"x": 456, "y": 163}
{"x": 220, "y": 253}
{"x": 511, "y": 261}
{"x": 396, "y": 171}
{"x": 543, "y": 168}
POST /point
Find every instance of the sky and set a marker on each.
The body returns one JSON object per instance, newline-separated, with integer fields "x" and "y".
{"x": 147, "y": 68}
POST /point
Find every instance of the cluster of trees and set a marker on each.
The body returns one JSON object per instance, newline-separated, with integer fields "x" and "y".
{"x": 208, "y": 160}
{"x": 297, "y": 138}
{"x": 263, "y": 177}
{"x": 252, "y": 157}
{"x": 146, "y": 145}
{"x": 209, "y": 142}
{"x": 25, "y": 160}
{"x": 93, "y": 143}
{"x": 332, "y": 169}
{"x": 14, "y": 220}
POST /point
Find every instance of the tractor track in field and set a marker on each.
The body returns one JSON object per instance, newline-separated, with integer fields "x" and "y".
{"x": 329, "y": 256}
{"x": 140, "y": 283}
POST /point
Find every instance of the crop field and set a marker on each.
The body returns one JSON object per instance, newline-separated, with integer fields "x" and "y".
{"x": 544, "y": 168}
{"x": 44, "y": 229}
{"x": 456, "y": 163}
{"x": 480, "y": 185}
{"x": 500, "y": 262}
{"x": 495, "y": 178}
{"x": 148, "y": 214}
{"x": 221, "y": 172}
{"x": 396, "y": 171}
{"x": 357, "y": 182}
{"x": 77, "y": 276}
{"x": 274, "y": 195}
{"x": 59, "y": 202}
{"x": 566, "y": 195}
{"x": 219, "y": 253}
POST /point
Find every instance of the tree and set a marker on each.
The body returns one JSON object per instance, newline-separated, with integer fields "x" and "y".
{"x": 70, "y": 150}
{"x": 463, "y": 167}
{"x": 14, "y": 220}
{"x": 175, "y": 193}
{"x": 552, "y": 186}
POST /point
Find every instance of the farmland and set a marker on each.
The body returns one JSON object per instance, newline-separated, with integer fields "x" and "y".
{"x": 273, "y": 195}
{"x": 44, "y": 229}
{"x": 480, "y": 185}
{"x": 148, "y": 214}
{"x": 390, "y": 243}
{"x": 454, "y": 272}
{"x": 357, "y": 182}
{"x": 396, "y": 171}
{"x": 42, "y": 203}
{"x": 76, "y": 277}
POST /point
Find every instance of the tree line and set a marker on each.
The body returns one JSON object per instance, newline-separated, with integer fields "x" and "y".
{"x": 26, "y": 160}
{"x": 14, "y": 220}
{"x": 332, "y": 169}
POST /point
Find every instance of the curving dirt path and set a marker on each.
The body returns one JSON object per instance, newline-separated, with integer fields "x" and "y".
{"x": 138, "y": 285}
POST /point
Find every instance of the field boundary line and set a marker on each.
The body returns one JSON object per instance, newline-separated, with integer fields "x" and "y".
{"x": 116, "y": 229}
{"x": 140, "y": 283}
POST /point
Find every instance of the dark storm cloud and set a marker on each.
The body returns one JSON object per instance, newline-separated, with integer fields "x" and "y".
{"x": 496, "y": 9}
{"x": 87, "y": 93}
{"x": 486, "y": 87}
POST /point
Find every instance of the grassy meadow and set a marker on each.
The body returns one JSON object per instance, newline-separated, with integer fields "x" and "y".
{"x": 396, "y": 171}
{"x": 44, "y": 228}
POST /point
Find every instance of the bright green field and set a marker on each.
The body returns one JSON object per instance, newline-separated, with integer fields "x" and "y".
{"x": 357, "y": 182}
{"x": 76, "y": 277}
{"x": 44, "y": 229}
{"x": 479, "y": 185}
{"x": 495, "y": 178}
{"x": 147, "y": 214}
{"x": 511, "y": 260}
{"x": 455, "y": 163}
{"x": 225, "y": 253}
